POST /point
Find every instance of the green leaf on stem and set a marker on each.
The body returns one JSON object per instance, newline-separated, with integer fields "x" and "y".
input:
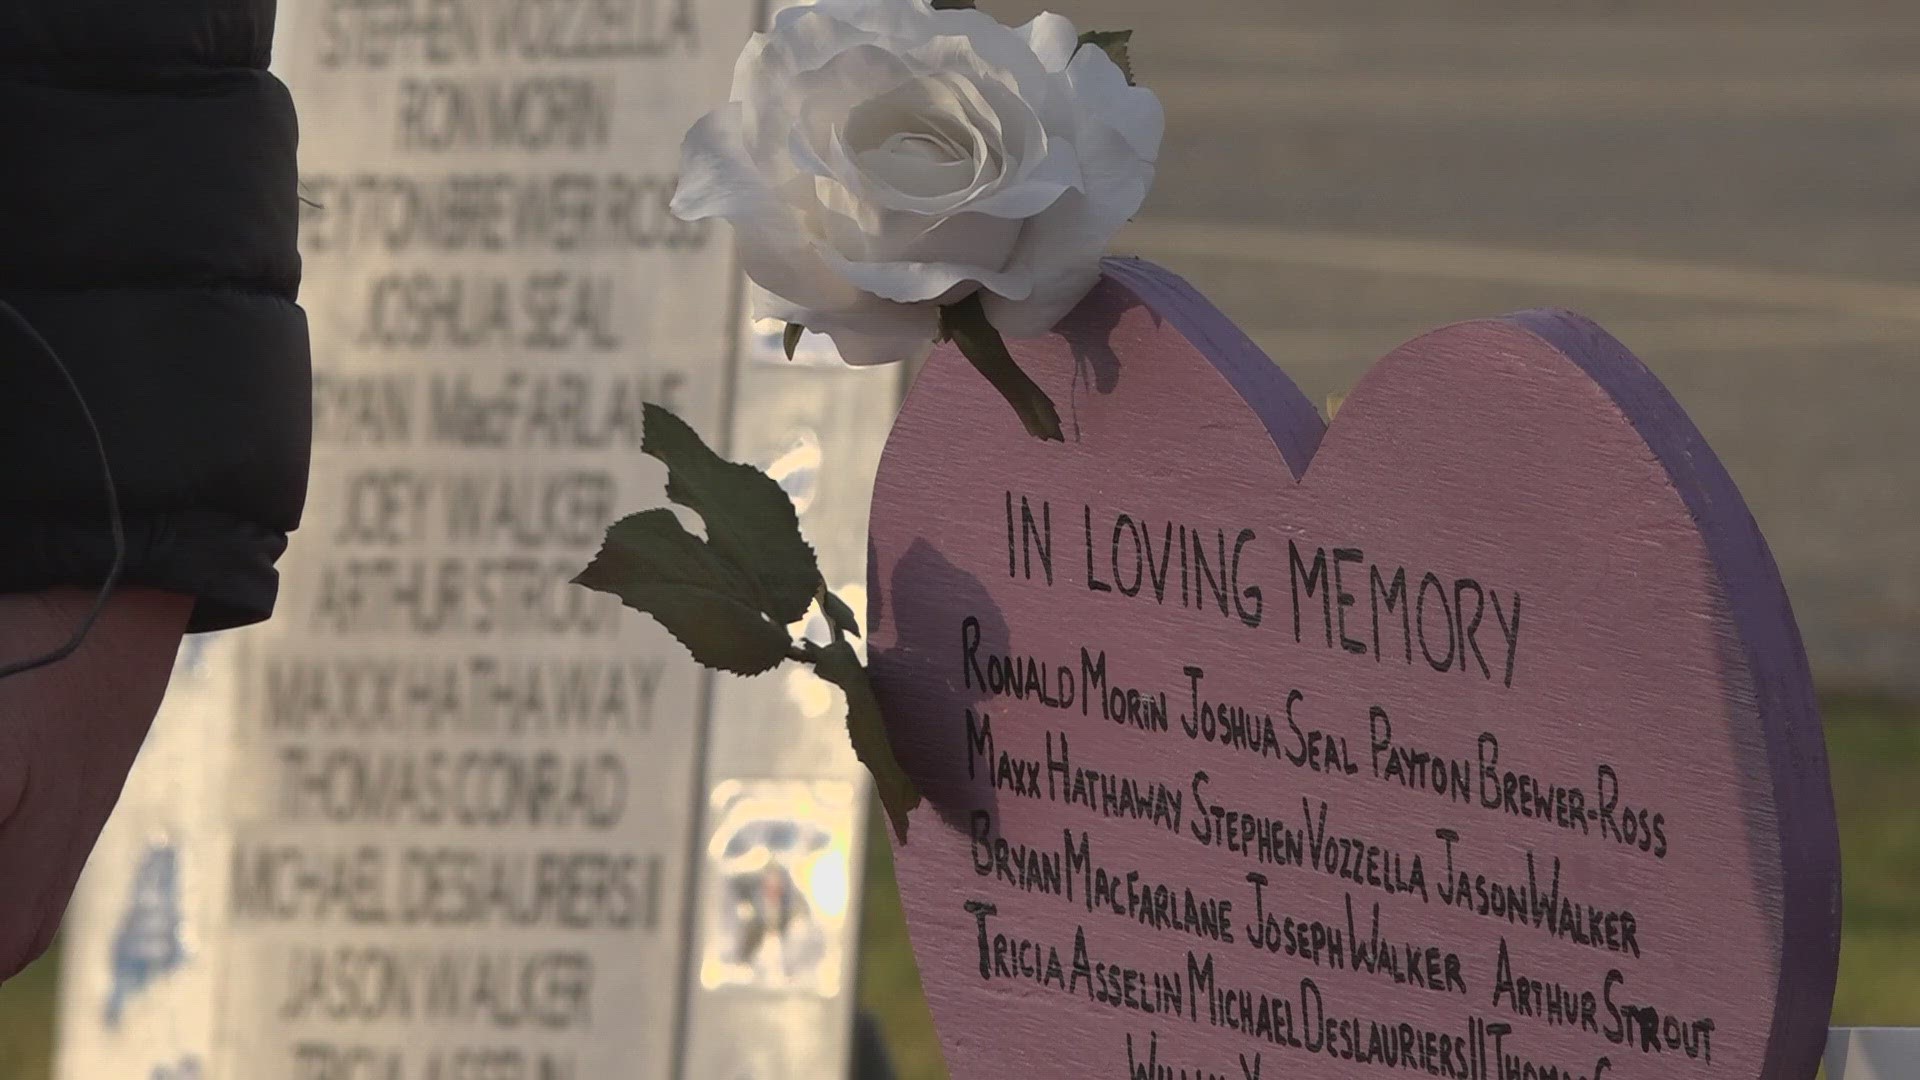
{"x": 839, "y": 616}
{"x": 653, "y": 564}
{"x": 791, "y": 339}
{"x": 838, "y": 664}
{"x": 1116, "y": 44}
{"x": 751, "y": 524}
{"x": 965, "y": 324}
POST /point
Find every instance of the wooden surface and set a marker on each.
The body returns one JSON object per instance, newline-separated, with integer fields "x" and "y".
{"x": 1629, "y": 647}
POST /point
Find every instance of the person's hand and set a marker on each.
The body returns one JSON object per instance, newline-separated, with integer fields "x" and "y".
{"x": 69, "y": 733}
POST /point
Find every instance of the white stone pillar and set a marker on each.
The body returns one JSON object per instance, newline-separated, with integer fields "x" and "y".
{"x": 447, "y": 816}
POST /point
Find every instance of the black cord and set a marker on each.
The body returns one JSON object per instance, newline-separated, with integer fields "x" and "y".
{"x": 33, "y": 336}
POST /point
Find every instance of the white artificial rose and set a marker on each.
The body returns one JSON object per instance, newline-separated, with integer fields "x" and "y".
{"x": 879, "y": 159}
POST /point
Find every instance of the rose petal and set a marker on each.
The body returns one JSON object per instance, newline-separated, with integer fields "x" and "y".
{"x": 952, "y": 103}
{"x": 908, "y": 341}
{"x": 1028, "y": 169}
{"x": 827, "y": 96}
{"x": 1018, "y": 202}
{"x": 802, "y": 38}
{"x": 718, "y": 176}
{"x": 996, "y": 54}
{"x": 1022, "y": 138}
{"x": 862, "y": 233}
{"x": 1060, "y": 249}
{"x": 1036, "y": 314}
{"x": 1115, "y": 178}
{"x": 911, "y": 20}
{"x": 875, "y": 332}
{"x": 1052, "y": 39}
{"x": 940, "y": 106}
{"x": 1100, "y": 88}
{"x": 918, "y": 282}
{"x": 1051, "y": 169}
{"x": 749, "y": 65}
{"x": 915, "y": 174}
{"x": 974, "y": 240}
{"x": 798, "y": 285}
{"x": 872, "y": 331}
{"x": 767, "y": 70}
{"x": 903, "y": 24}
{"x": 770, "y": 312}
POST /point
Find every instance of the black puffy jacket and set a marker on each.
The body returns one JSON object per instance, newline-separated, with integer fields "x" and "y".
{"x": 148, "y": 212}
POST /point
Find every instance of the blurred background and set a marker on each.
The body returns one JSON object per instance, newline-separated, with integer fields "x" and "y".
{"x": 1732, "y": 187}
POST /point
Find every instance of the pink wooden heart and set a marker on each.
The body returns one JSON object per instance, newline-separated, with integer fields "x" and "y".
{"x": 1498, "y": 659}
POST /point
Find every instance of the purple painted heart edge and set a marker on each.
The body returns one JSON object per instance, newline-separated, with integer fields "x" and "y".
{"x": 1750, "y": 581}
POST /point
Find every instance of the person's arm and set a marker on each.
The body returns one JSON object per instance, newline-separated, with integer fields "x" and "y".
{"x": 148, "y": 215}
{"x": 149, "y": 208}
{"x": 69, "y": 732}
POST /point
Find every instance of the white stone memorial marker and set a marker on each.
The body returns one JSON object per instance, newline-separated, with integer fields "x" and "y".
{"x": 447, "y": 815}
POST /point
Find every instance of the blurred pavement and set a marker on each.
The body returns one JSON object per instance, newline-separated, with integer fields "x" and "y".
{"x": 1732, "y": 188}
